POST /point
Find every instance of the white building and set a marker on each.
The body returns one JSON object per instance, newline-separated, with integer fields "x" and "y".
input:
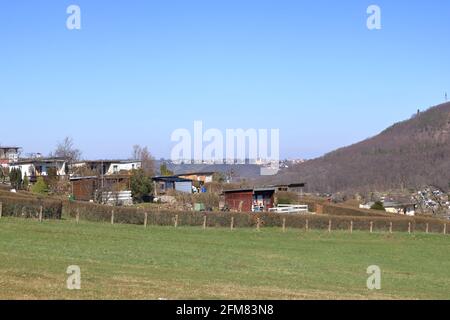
{"x": 9, "y": 155}
{"x": 109, "y": 167}
{"x": 33, "y": 168}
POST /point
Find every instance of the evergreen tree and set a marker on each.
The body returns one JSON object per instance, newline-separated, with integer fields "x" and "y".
{"x": 26, "y": 182}
{"x": 40, "y": 186}
{"x": 378, "y": 205}
{"x": 141, "y": 185}
{"x": 15, "y": 178}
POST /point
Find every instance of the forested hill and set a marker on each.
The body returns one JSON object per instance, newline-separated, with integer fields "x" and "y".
{"x": 409, "y": 154}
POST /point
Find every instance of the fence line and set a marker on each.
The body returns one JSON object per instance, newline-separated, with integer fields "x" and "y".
{"x": 283, "y": 226}
{"x": 124, "y": 215}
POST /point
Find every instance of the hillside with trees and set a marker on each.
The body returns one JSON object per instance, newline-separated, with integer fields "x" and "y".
{"x": 409, "y": 154}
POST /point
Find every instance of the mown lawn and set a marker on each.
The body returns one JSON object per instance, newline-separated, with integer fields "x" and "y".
{"x": 130, "y": 262}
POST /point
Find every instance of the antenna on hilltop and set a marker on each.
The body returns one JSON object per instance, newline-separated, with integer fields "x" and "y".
{"x": 446, "y": 97}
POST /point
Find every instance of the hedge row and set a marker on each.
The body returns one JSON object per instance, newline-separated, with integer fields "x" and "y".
{"x": 52, "y": 209}
{"x": 323, "y": 206}
{"x": 343, "y": 210}
{"x": 30, "y": 208}
{"x": 92, "y": 212}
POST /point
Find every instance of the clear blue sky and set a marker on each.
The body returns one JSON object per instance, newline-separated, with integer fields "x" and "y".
{"x": 137, "y": 70}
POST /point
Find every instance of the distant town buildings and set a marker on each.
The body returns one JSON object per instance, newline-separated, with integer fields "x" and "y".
{"x": 9, "y": 155}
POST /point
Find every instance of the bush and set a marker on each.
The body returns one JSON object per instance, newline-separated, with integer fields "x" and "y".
{"x": 40, "y": 186}
{"x": 141, "y": 185}
{"x": 209, "y": 199}
{"x": 26, "y": 182}
{"x": 377, "y": 206}
{"x": 285, "y": 197}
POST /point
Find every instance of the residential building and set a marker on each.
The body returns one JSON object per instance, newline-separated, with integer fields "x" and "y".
{"x": 9, "y": 155}
{"x": 37, "y": 167}
{"x": 107, "y": 167}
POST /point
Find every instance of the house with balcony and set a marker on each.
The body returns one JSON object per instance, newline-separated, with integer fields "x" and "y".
{"x": 9, "y": 155}
{"x": 40, "y": 167}
{"x": 105, "y": 167}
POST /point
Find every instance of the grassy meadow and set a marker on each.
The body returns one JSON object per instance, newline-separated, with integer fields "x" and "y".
{"x": 133, "y": 262}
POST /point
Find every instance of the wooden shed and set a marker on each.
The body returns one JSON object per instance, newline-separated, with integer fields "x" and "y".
{"x": 250, "y": 200}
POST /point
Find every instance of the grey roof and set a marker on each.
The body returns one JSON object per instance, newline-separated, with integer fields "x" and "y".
{"x": 38, "y": 160}
{"x": 170, "y": 179}
{"x": 107, "y": 161}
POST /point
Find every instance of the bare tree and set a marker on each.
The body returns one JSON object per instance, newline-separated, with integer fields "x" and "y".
{"x": 147, "y": 160}
{"x": 66, "y": 149}
{"x": 136, "y": 153}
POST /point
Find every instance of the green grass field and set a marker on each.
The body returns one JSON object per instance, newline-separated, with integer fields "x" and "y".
{"x": 130, "y": 262}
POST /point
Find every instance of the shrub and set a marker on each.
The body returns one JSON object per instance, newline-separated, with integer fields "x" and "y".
{"x": 40, "y": 186}
{"x": 377, "y": 206}
{"x": 141, "y": 185}
{"x": 285, "y": 197}
{"x": 26, "y": 182}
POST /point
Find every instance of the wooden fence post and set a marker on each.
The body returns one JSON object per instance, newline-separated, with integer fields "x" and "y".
{"x": 371, "y": 226}
{"x": 232, "y": 224}
{"x": 145, "y": 219}
{"x": 426, "y": 228}
{"x": 258, "y": 221}
{"x": 40, "y": 213}
{"x": 176, "y": 221}
{"x": 445, "y": 228}
{"x": 351, "y": 226}
{"x": 204, "y": 221}
{"x": 409, "y": 227}
{"x": 306, "y": 225}
{"x": 77, "y": 216}
{"x": 112, "y": 216}
{"x": 284, "y": 224}
{"x": 329, "y": 225}
{"x": 390, "y": 227}
{"x": 1, "y": 209}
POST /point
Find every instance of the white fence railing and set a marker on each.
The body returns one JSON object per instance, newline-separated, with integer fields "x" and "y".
{"x": 123, "y": 198}
{"x": 290, "y": 208}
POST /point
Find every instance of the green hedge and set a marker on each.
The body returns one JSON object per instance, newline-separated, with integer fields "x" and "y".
{"x": 341, "y": 209}
{"x": 30, "y": 207}
{"x": 95, "y": 212}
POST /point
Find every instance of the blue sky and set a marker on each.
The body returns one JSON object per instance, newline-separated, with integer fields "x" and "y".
{"x": 137, "y": 70}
